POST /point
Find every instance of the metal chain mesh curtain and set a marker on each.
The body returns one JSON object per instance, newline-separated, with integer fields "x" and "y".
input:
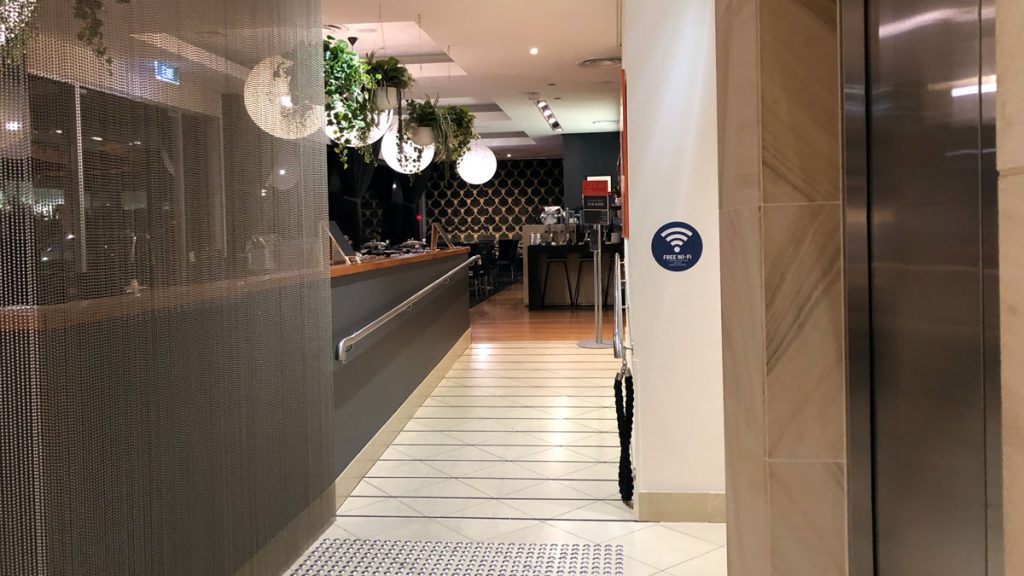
{"x": 165, "y": 371}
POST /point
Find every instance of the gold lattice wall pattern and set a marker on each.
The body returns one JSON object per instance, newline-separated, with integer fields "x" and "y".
{"x": 165, "y": 370}
{"x": 498, "y": 209}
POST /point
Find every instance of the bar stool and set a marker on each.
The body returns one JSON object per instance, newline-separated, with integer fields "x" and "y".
{"x": 589, "y": 257}
{"x": 564, "y": 261}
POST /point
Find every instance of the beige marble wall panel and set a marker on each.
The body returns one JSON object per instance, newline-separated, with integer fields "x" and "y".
{"x": 800, "y": 101}
{"x": 744, "y": 369}
{"x": 1011, "y": 269}
{"x": 808, "y": 518}
{"x": 804, "y": 331}
{"x": 739, "y": 141}
{"x": 1010, "y": 102}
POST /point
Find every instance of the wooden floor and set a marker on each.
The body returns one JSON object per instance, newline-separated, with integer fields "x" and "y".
{"x": 503, "y": 317}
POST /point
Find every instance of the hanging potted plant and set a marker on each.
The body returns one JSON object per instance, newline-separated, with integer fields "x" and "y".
{"x": 450, "y": 128}
{"x": 348, "y": 88}
{"x": 390, "y": 79}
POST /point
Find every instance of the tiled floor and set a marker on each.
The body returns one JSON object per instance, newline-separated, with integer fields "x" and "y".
{"x": 518, "y": 444}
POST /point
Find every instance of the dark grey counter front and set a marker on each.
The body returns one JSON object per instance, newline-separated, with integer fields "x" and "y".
{"x": 392, "y": 361}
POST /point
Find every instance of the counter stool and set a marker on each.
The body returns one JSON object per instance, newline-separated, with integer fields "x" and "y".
{"x": 589, "y": 257}
{"x": 564, "y": 261}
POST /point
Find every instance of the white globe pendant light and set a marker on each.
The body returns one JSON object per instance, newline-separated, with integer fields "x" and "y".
{"x": 478, "y": 164}
{"x": 411, "y": 165}
{"x": 268, "y": 99}
{"x": 385, "y": 121}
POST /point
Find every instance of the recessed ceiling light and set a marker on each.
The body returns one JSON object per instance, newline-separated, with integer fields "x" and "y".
{"x": 97, "y": 138}
{"x": 606, "y": 123}
{"x": 508, "y": 155}
{"x": 534, "y": 51}
{"x": 604, "y": 62}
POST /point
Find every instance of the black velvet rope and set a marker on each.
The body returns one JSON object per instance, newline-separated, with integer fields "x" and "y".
{"x": 624, "y": 417}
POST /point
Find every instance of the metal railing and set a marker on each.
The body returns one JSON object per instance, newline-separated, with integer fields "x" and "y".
{"x": 618, "y": 344}
{"x": 346, "y": 344}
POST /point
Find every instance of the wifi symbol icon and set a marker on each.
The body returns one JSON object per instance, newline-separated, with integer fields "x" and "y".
{"x": 676, "y": 237}
{"x": 677, "y": 246}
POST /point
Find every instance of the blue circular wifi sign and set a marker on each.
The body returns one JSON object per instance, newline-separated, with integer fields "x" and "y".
{"x": 677, "y": 246}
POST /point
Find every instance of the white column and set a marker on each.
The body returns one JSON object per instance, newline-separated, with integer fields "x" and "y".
{"x": 675, "y": 317}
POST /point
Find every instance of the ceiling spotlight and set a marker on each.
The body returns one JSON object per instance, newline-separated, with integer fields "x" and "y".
{"x": 534, "y": 51}
{"x": 548, "y": 114}
{"x": 97, "y": 138}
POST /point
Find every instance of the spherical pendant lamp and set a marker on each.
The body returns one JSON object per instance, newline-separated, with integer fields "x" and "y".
{"x": 478, "y": 164}
{"x": 268, "y": 99}
{"x": 411, "y": 165}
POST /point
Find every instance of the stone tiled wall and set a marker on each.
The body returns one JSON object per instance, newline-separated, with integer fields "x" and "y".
{"x": 1010, "y": 133}
{"x": 780, "y": 145}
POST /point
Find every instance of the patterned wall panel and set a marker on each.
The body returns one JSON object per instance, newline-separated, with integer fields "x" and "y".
{"x": 165, "y": 375}
{"x": 498, "y": 209}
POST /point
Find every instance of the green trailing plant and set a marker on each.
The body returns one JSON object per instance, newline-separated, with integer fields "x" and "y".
{"x": 453, "y": 127}
{"x": 16, "y": 27}
{"x": 348, "y": 88}
{"x": 89, "y": 12}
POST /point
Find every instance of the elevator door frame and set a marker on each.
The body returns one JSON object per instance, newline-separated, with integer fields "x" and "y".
{"x": 855, "y": 36}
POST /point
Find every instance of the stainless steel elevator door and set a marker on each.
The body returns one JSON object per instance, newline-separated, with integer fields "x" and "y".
{"x": 928, "y": 300}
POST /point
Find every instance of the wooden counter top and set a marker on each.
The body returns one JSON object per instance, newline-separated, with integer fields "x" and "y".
{"x": 384, "y": 263}
{"x": 15, "y": 318}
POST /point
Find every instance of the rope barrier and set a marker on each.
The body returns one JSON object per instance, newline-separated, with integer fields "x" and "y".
{"x": 624, "y": 417}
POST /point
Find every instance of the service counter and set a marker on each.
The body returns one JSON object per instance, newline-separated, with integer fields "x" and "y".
{"x": 563, "y": 279}
{"x": 387, "y": 366}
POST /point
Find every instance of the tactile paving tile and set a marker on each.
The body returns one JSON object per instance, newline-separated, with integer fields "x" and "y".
{"x": 335, "y": 557}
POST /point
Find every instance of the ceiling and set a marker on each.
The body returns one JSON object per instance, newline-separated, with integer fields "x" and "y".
{"x": 477, "y": 52}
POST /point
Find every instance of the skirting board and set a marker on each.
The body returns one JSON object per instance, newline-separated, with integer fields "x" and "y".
{"x": 680, "y": 507}
{"x": 368, "y": 456}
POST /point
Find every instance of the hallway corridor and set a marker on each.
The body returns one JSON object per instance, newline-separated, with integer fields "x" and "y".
{"x": 518, "y": 444}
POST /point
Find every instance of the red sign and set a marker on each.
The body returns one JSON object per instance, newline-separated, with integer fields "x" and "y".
{"x": 595, "y": 188}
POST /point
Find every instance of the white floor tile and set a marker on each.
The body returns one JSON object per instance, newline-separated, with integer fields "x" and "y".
{"x": 551, "y": 489}
{"x": 394, "y": 468}
{"x": 481, "y": 530}
{"x": 542, "y": 534}
{"x": 382, "y": 507}
{"x": 450, "y": 488}
{"x": 553, "y": 470}
{"x": 426, "y": 530}
{"x": 438, "y": 507}
{"x": 547, "y": 509}
{"x": 364, "y": 488}
{"x": 499, "y": 488}
{"x": 599, "y": 489}
{"x": 402, "y": 486}
{"x": 598, "y": 532}
{"x": 713, "y": 563}
{"x": 662, "y": 548}
{"x": 601, "y": 511}
{"x": 494, "y": 509}
{"x": 713, "y": 533}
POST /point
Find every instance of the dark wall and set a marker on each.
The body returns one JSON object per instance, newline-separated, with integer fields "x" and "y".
{"x": 498, "y": 208}
{"x": 588, "y": 155}
{"x": 388, "y": 366}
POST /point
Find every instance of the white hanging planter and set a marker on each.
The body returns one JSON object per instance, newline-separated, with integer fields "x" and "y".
{"x": 386, "y": 98}
{"x": 422, "y": 136}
